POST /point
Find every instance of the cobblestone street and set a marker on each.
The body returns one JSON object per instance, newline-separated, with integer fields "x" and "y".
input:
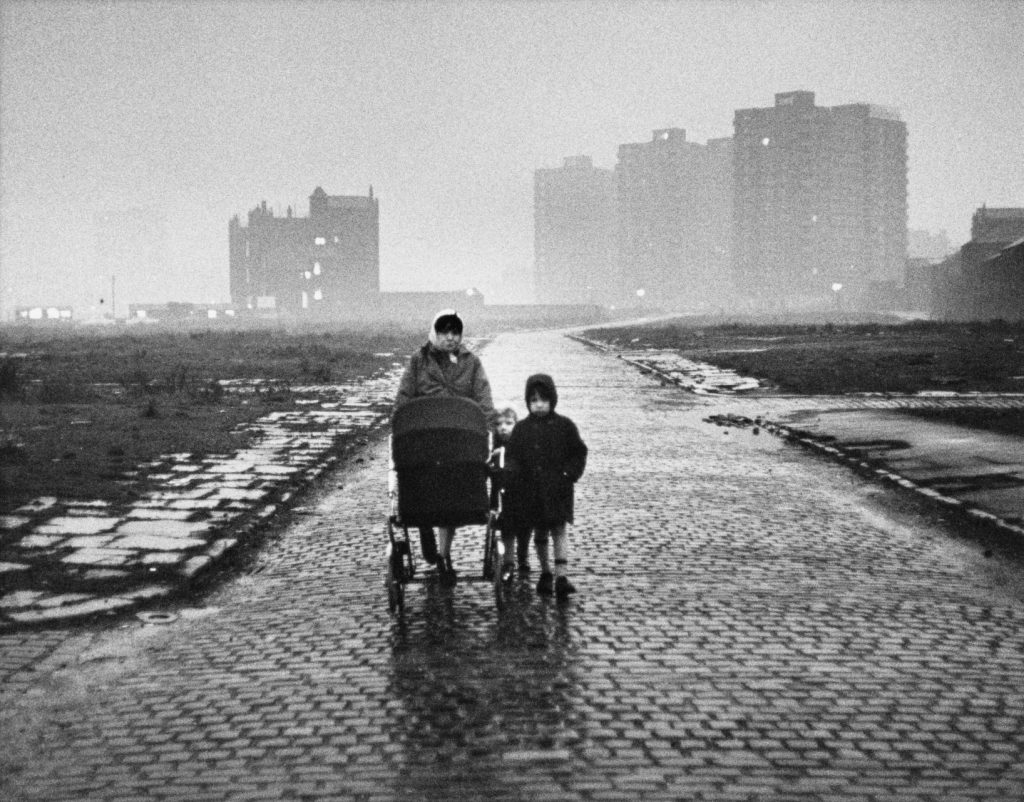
{"x": 752, "y": 623}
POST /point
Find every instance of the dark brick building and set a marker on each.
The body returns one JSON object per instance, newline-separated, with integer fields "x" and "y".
{"x": 985, "y": 279}
{"x": 318, "y": 266}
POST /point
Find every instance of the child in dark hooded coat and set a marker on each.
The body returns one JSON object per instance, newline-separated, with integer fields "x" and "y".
{"x": 546, "y": 457}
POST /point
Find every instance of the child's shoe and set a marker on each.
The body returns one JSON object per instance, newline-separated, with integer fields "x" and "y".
{"x": 545, "y": 587}
{"x": 563, "y": 587}
{"x": 507, "y": 573}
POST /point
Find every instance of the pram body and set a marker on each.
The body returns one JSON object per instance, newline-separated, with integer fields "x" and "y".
{"x": 439, "y": 477}
{"x": 439, "y": 448}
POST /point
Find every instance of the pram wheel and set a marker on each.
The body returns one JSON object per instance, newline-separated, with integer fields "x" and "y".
{"x": 394, "y": 586}
{"x": 489, "y": 548}
{"x": 398, "y": 569}
{"x": 494, "y": 559}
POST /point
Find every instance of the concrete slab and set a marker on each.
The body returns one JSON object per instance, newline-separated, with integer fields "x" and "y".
{"x": 192, "y": 505}
{"x": 77, "y": 525}
{"x": 239, "y": 494}
{"x": 70, "y": 611}
{"x": 20, "y": 598}
{"x": 158, "y": 512}
{"x": 163, "y": 558}
{"x": 88, "y": 541}
{"x": 40, "y": 541}
{"x": 37, "y": 505}
{"x": 157, "y": 543}
{"x": 163, "y": 528}
{"x": 101, "y": 556}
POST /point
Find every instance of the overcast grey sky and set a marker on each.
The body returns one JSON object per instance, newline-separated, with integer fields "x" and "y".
{"x": 200, "y": 110}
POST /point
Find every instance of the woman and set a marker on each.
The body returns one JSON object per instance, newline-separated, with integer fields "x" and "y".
{"x": 442, "y": 366}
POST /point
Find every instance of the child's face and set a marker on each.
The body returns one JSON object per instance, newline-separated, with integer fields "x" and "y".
{"x": 505, "y": 427}
{"x": 539, "y": 406}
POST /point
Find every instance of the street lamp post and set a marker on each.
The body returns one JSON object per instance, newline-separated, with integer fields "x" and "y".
{"x": 836, "y": 287}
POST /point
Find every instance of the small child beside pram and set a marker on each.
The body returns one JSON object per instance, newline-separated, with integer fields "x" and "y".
{"x": 545, "y": 457}
{"x": 516, "y": 542}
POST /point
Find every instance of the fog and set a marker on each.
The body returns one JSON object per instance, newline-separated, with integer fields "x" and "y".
{"x": 156, "y": 122}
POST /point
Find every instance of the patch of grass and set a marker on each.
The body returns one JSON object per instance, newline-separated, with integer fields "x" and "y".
{"x": 1002, "y": 421}
{"x": 79, "y": 408}
{"x": 834, "y": 359}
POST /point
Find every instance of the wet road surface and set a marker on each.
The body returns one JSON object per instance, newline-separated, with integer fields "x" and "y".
{"x": 752, "y": 623}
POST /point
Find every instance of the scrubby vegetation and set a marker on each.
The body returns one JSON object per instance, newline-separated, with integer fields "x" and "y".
{"x": 79, "y": 407}
{"x": 829, "y": 358}
{"x": 832, "y": 358}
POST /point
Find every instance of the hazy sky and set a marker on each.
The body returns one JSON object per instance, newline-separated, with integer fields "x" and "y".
{"x": 200, "y": 110}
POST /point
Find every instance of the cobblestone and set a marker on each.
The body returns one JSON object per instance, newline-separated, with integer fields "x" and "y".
{"x": 752, "y": 624}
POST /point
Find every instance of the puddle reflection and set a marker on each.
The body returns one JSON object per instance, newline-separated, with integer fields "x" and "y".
{"x": 483, "y": 696}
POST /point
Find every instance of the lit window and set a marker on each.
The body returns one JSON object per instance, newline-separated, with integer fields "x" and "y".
{"x": 337, "y": 239}
{"x": 305, "y": 300}
{"x": 316, "y": 268}
{"x": 318, "y": 295}
{"x": 766, "y": 141}
{"x": 52, "y": 313}
{"x": 319, "y": 240}
{"x": 308, "y": 275}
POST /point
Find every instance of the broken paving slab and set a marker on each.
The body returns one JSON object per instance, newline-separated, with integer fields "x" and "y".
{"x": 179, "y": 495}
{"x": 194, "y": 504}
{"x": 103, "y": 574}
{"x": 20, "y": 598}
{"x": 101, "y": 557}
{"x": 85, "y": 608}
{"x": 94, "y": 506}
{"x": 241, "y": 494}
{"x": 77, "y": 525}
{"x": 63, "y": 598}
{"x": 163, "y": 558}
{"x": 40, "y": 541}
{"x": 157, "y": 543}
{"x": 164, "y": 528}
{"x": 37, "y": 505}
{"x": 87, "y": 541}
{"x": 276, "y": 470}
{"x": 145, "y": 512}
{"x": 189, "y": 468}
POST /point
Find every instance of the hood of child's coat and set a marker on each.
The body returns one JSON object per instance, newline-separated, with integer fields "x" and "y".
{"x": 547, "y": 385}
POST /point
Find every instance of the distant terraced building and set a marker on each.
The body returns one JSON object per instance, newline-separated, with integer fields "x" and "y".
{"x": 318, "y": 266}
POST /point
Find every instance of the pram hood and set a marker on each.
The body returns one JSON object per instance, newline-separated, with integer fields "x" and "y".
{"x": 439, "y": 412}
{"x": 437, "y": 429}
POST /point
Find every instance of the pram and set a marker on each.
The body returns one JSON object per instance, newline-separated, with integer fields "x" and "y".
{"x": 440, "y": 446}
